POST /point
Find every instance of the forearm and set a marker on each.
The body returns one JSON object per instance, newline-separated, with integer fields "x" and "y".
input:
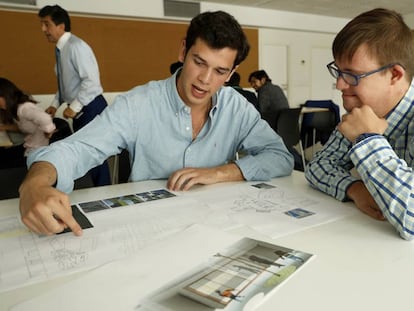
{"x": 389, "y": 180}
{"x": 353, "y": 190}
{"x": 228, "y": 172}
{"x": 40, "y": 174}
{"x": 9, "y": 127}
{"x": 267, "y": 165}
{"x": 329, "y": 170}
{"x": 331, "y": 179}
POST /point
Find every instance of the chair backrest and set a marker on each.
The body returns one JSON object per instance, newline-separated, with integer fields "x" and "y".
{"x": 287, "y": 126}
{"x": 322, "y": 121}
{"x": 323, "y": 104}
{"x": 319, "y": 126}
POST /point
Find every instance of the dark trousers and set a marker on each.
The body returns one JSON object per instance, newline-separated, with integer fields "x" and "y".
{"x": 100, "y": 175}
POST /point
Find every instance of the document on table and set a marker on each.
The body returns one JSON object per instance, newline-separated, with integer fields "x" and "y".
{"x": 121, "y": 231}
{"x": 27, "y": 258}
{"x": 287, "y": 211}
{"x": 271, "y": 209}
{"x": 120, "y": 285}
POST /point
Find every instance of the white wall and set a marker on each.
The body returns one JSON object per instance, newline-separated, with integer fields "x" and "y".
{"x": 299, "y": 32}
{"x": 257, "y": 17}
{"x": 299, "y": 58}
{"x": 247, "y": 16}
{"x": 409, "y": 19}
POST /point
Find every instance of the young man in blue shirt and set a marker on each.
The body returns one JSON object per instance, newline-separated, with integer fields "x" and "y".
{"x": 187, "y": 129}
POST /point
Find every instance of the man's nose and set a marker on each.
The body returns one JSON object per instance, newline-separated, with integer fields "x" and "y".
{"x": 341, "y": 84}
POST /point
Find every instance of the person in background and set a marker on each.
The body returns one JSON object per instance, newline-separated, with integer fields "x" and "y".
{"x": 271, "y": 97}
{"x": 187, "y": 129}
{"x": 79, "y": 86}
{"x": 19, "y": 113}
{"x": 234, "y": 82}
{"x": 373, "y": 66}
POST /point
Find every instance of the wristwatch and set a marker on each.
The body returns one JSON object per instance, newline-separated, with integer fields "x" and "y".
{"x": 364, "y": 136}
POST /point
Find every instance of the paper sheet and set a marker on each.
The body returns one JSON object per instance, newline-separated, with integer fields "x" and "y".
{"x": 26, "y": 258}
{"x": 119, "y": 232}
{"x": 131, "y": 279}
{"x": 271, "y": 209}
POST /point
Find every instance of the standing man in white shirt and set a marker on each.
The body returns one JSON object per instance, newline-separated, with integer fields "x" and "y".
{"x": 77, "y": 72}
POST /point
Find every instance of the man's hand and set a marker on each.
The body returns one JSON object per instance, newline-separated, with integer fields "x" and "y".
{"x": 185, "y": 178}
{"x": 361, "y": 120}
{"x": 364, "y": 201}
{"x": 51, "y": 110}
{"x": 68, "y": 113}
{"x": 44, "y": 209}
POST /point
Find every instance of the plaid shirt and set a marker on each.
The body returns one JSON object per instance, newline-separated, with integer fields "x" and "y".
{"x": 384, "y": 163}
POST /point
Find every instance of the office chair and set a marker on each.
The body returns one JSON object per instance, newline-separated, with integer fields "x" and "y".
{"x": 287, "y": 126}
{"x": 324, "y": 104}
{"x": 320, "y": 126}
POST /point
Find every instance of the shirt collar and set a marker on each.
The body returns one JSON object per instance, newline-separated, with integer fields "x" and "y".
{"x": 62, "y": 40}
{"x": 403, "y": 113}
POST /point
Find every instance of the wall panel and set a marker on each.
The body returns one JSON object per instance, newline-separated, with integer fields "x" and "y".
{"x": 129, "y": 52}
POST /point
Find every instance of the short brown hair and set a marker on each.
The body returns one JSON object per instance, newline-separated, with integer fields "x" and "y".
{"x": 385, "y": 34}
{"x": 219, "y": 30}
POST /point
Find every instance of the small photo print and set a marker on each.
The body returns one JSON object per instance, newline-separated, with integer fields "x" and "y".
{"x": 93, "y": 206}
{"x": 299, "y": 213}
{"x": 154, "y": 195}
{"x": 122, "y": 201}
{"x": 263, "y": 186}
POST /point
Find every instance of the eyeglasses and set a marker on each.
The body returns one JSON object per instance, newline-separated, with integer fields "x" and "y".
{"x": 350, "y": 78}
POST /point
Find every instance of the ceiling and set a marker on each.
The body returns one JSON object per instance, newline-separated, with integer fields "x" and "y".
{"x": 335, "y": 8}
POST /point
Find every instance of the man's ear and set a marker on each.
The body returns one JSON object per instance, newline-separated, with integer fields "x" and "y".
{"x": 182, "y": 52}
{"x": 231, "y": 73}
{"x": 397, "y": 72}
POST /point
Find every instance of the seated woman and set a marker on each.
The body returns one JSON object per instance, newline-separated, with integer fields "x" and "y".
{"x": 19, "y": 113}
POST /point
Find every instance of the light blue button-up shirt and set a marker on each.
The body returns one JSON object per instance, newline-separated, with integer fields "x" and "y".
{"x": 79, "y": 72}
{"x": 154, "y": 125}
{"x": 384, "y": 163}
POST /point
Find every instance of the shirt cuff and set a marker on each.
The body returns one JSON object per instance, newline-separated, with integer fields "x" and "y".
{"x": 55, "y": 103}
{"x": 364, "y": 136}
{"x": 76, "y": 106}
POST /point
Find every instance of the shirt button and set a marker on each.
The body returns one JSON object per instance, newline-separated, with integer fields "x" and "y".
{"x": 187, "y": 128}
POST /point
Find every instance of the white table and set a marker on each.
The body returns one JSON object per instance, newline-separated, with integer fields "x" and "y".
{"x": 360, "y": 263}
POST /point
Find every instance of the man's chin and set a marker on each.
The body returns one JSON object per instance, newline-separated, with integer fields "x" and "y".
{"x": 348, "y": 106}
